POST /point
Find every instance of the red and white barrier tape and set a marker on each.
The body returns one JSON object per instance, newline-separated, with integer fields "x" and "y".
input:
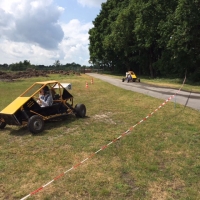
{"x": 104, "y": 147}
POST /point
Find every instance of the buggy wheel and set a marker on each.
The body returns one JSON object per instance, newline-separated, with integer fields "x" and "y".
{"x": 80, "y": 110}
{"x": 2, "y": 124}
{"x": 35, "y": 124}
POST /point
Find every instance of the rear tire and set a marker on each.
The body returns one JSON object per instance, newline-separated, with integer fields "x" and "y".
{"x": 35, "y": 124}
{"x": 80, "y": 110}
{"x": 2, "y": 124}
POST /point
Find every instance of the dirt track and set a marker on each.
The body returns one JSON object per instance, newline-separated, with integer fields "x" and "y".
{"x": 11, "y": 76}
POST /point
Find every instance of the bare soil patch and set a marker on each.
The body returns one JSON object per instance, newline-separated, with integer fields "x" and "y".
{"x": 11, "y": 76}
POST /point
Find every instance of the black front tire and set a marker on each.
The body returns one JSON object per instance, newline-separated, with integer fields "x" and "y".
{"x": 35, "y": 124}
{"x": 80, "y": 110}
{"x": 2, "y": 124}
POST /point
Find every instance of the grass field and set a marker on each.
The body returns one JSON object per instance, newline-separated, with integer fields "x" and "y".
{"x": 158, "y": 159}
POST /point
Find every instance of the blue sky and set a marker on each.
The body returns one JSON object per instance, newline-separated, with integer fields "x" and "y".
{"x": 75, "y": 10}
{"x": 42, "y": 31}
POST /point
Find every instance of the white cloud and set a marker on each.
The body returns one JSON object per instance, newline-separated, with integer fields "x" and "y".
{"x": 75, "y": 44}
{"x": 91, "y": 3}
{"x": 6, "y": 20}
{"x": 73, "y": 48}
{"x": 31, "y": 30}
{"x": 32, "y": 22}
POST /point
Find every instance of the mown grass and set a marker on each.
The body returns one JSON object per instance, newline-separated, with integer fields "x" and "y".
{"x": 173, "y": 83}
{"x": 159, "y": 159}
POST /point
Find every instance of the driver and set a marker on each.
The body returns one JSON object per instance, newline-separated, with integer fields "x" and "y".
{"x": 45, "y": 97}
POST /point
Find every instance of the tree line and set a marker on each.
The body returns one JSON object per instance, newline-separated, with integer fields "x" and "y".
{"x": 150, "y": 37}
{"x": 22, "y": 66}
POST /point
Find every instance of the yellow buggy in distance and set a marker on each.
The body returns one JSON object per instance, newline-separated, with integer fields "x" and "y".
{"x": 25, "y": 110}
{"x": 130, "y": 77}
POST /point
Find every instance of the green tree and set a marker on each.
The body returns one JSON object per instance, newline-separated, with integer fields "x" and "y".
{"x": 185, "y": 38}
{"x": 155, "y": 36}
{"x": 21, "y": 66}
{"x": 57, "y": 64}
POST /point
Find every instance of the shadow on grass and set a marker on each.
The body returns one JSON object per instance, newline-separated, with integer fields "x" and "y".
{"x": 48, "y": 125}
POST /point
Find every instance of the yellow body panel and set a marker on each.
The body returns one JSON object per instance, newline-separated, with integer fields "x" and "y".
{"x": 132, "y": 74}
{"x": 15, "y": 105}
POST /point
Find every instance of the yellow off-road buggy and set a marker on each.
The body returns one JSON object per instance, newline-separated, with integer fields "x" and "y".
{"x": 130, "y": 77}
{"x": 25, "y": 110}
